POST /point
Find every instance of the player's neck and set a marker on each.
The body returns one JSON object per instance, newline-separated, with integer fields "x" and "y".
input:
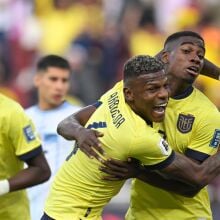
{"x": 44, "y": 106}
{"x": 179, "y": 89}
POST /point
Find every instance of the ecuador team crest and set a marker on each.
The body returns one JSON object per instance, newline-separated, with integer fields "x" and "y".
{"x": 185, "y": 123}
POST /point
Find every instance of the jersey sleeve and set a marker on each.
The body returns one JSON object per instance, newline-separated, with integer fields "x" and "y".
{"x": 152, "y": 150}
{"x": 23, "y": 135}
{"x": 206, "y": 138}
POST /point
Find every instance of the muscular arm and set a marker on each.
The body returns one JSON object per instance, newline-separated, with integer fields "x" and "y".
{"x": 38, "y": 171}
{"x": 120, "y": 170}
{"x": 188, "y": 171}
{"x": 172, "y": 185}
{"x": 87, "y": 140}
{"x": 186, "y": 177}
{"x": 71, "y": 126}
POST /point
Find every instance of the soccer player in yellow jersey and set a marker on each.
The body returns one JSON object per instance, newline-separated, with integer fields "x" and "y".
{"x": 79, "y": 191}
{"x": 191, "y": 126}
{"x": 18, "y": 144}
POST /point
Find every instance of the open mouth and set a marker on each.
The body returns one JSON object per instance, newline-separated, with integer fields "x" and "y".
{"x": 193, "y": 70}
{"x": 160, "y": 109}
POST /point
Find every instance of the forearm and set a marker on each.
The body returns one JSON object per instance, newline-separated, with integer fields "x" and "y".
{"x": 38, "y": 171}
{"x": 28, "y": 177}
{"x": 211, "y": 70}
{"x": 71, "y": 126}
{"x": 197, "y": 175}
{"x": 210, "y": 168}
{"x": 171, "y": 185}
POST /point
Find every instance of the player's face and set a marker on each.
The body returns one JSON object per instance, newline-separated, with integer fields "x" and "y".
{"x": 186, "y": 58}
{"x": 52, "y": 86}
{"x": 148, "y": 96}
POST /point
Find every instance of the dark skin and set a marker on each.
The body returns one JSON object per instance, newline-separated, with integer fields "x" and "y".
{"x": 38, "y": 171}
{"x": 195, "y": 53}
{"x": 209, "y": 69}
{"x": 120, "y": 170}
{"x": 181, "y": 56}
{"x": 147, "y": 90}
{"x": 72, "y": 129}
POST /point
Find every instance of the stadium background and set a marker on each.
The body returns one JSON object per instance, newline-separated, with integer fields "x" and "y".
{"x": 97, "y": 36}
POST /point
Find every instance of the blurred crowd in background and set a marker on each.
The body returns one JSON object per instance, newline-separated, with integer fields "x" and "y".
{"x": 97, "y": 36}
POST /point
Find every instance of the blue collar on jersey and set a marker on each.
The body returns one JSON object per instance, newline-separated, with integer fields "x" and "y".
{"x": 185, "y": 94}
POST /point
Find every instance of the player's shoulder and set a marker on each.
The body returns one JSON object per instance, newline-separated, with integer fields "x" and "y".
{"x": 206, "y": 110}
{"x": 203, "y": 103}
{"x": 33, "y": 111}
{"x": 10, "y": 105}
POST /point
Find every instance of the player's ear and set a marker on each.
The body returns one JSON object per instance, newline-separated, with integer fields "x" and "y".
{"x": 36, "y": 79}
{"x": 165, "y": 57}
{"x": 128, "y": 94}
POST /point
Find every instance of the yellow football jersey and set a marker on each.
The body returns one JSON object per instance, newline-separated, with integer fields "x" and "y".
{"x": 192, "y": 127}
{"x": 17, "y": 143}
{"x": 78, "y": 191}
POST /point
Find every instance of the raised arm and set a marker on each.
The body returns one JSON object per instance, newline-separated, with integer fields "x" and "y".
{"x": 211, "y": 70}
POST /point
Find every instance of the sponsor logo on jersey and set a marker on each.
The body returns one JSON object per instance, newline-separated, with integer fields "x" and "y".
{"x": 29, "y": 134}
{"x": 164, "y": 146}
{"x": 185, "y": 123}
{"x": 215, "y": 139}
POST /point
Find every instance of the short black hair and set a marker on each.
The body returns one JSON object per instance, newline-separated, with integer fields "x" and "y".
{"x": 52, "y": 61}
{"x": 179, "y": 34}
{"x": 141, "y": 64}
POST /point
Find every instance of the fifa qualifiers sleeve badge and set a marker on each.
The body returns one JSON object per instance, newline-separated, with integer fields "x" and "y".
{"x": 164, "y": 146}
{"x": 215, "y": 139}
{"x": 28, "y": 133}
